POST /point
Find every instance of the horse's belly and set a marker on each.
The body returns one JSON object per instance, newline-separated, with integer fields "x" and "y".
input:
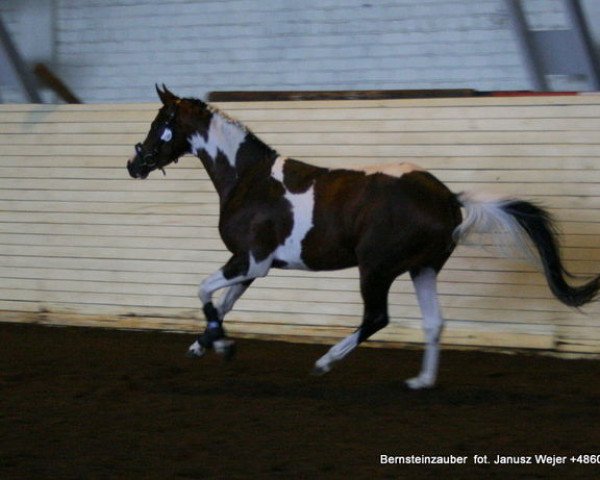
{"x": 312, "y": 255}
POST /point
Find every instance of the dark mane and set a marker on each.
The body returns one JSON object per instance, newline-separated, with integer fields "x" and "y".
{"x": 216, "y": 110}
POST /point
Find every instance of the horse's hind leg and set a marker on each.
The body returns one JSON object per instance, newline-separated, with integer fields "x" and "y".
{"x": 374, "y": 290}
{"x": 425, "y": 282}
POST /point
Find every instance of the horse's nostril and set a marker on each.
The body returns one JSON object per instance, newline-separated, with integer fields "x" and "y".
{"x": 130, "y": 169}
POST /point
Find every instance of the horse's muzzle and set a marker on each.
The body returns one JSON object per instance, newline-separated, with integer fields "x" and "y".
{"x": 135, "y": 170}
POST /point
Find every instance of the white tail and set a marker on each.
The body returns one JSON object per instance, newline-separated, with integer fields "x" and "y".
{"x": 518, "y": 225}
{"x": 487, "y": 215}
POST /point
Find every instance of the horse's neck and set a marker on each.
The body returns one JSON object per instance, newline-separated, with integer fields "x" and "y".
{"x": 228, "y": 151}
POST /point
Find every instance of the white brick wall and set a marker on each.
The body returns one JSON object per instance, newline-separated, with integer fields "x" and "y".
{"x": 115, "y": 50}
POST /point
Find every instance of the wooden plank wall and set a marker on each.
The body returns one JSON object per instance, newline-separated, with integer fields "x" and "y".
{"x": 81, "y": 243}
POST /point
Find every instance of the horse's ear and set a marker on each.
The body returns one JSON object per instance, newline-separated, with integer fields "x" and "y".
{"x": 166, "y": 97}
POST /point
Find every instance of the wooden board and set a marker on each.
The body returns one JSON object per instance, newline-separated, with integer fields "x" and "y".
{"x": 83, "y": 244}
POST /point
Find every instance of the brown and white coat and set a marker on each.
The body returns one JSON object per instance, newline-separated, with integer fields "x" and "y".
{"x": 277, "y": 212}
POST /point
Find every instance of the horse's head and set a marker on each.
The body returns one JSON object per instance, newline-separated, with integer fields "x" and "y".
{"x": 167, "y": 139}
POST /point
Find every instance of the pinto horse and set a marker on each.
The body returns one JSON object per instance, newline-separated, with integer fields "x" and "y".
{"x": 276, "y": 212}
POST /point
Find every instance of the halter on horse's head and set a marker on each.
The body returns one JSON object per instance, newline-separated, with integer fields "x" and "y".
{"x": 167, "y": 139}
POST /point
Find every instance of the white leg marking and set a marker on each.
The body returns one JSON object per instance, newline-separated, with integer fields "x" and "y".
{"x": 231, "y": 295}
{"x": 336, "y": 353}
{"x": 196, "y": 350}
{"x": 211, "y": 284}
{"x": 426, "y": 289}
{"x": 217, "y": 280}
{"x": 259, "y": 269}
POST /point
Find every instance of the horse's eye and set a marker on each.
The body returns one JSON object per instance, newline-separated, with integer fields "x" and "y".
{"x": 167, "y": 135}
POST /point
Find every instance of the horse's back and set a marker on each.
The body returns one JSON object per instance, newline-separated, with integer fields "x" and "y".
{"x": 396, "y": 209}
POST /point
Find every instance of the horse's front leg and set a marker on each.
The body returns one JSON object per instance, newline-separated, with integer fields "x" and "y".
{"x": 237, "y": 275}
{"x": 230, "y": 296}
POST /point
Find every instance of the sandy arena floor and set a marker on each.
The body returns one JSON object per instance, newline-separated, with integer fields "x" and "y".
{"x": 99, "y": 404}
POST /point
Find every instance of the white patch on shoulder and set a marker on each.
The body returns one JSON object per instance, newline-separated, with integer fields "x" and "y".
{"x": 392, "y": 169}
{"x": 303, "y": 205}
{"x": 302, "y": 210}
{"x": 223, "y": 135}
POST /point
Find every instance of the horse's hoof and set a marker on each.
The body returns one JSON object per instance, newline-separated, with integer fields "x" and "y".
{"x": 225, "y": 347}
{"x": 196, "y": 350}
{"x": 320, "y": 370}
{"x": 418, "y": 383}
